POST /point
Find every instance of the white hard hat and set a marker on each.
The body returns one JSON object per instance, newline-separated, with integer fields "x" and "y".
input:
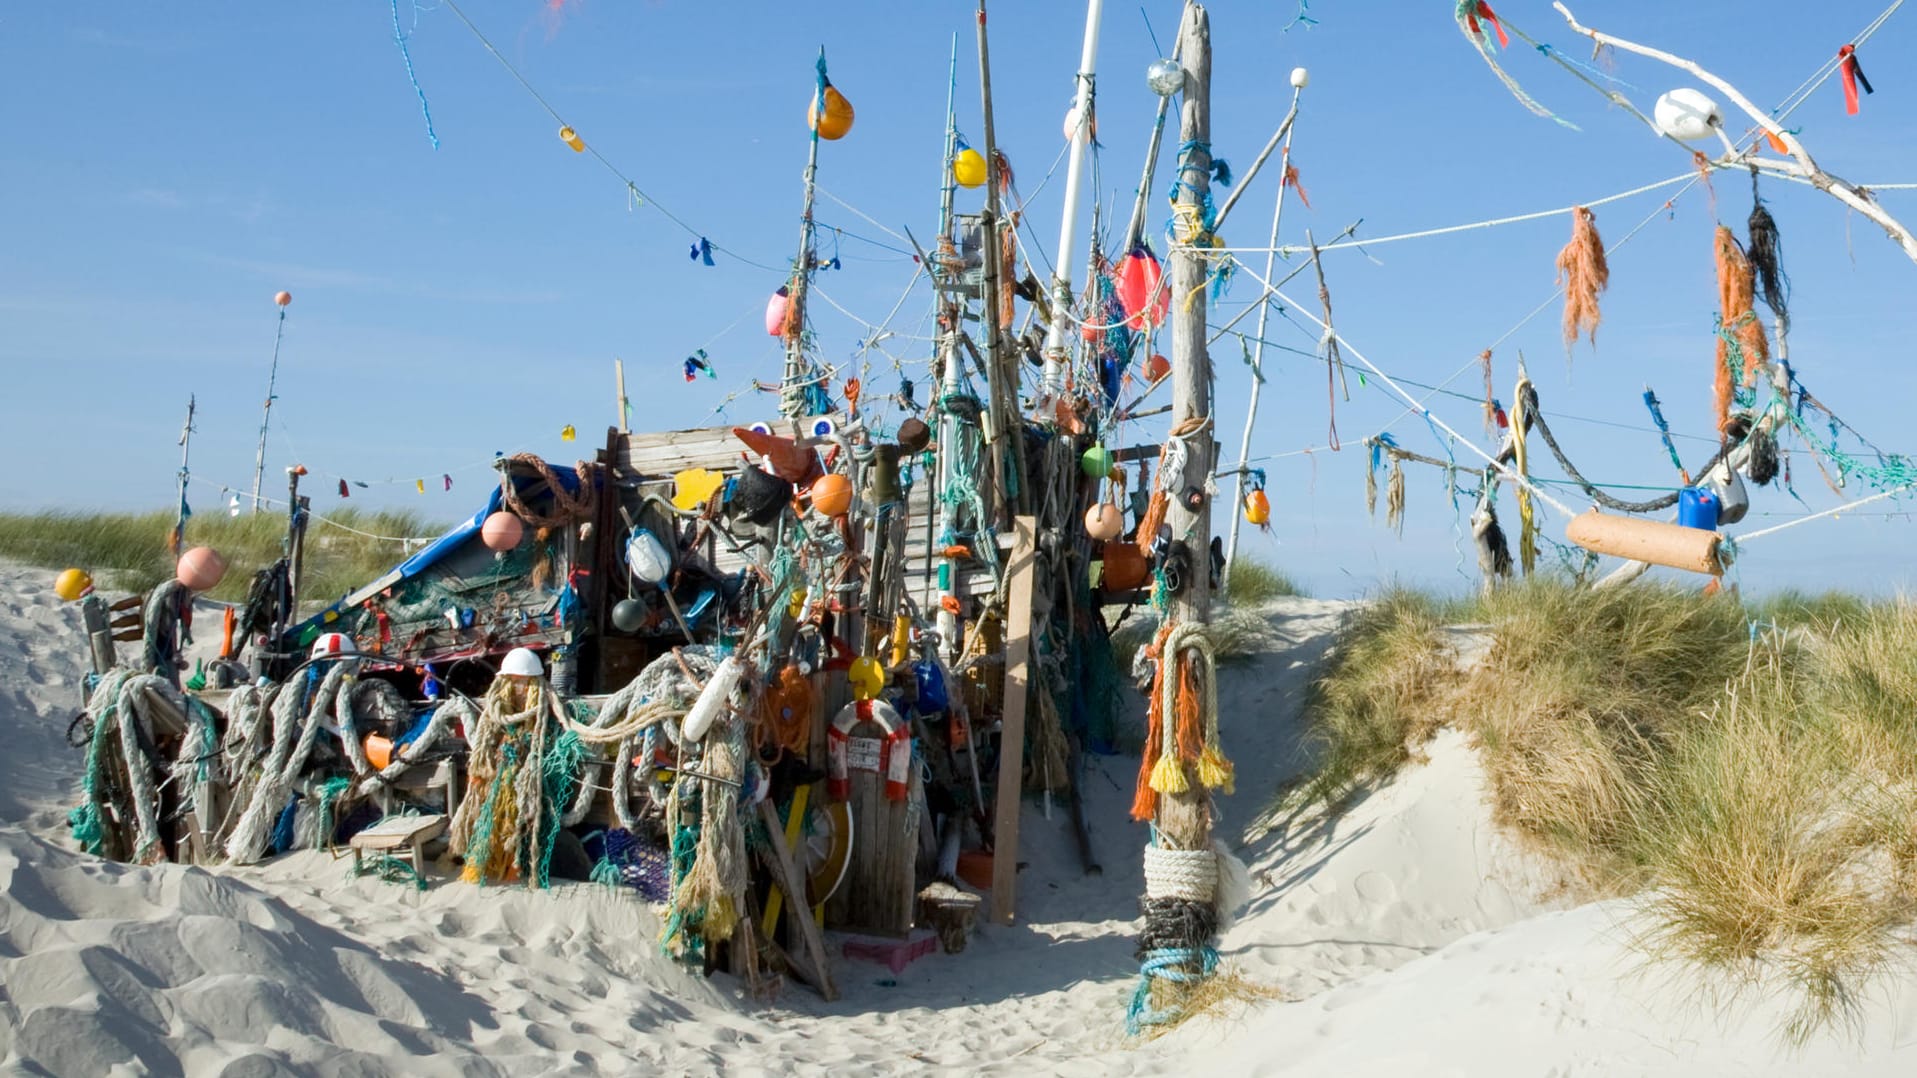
{"x": 521, "y": 662}
{"x": 334, "y": 646}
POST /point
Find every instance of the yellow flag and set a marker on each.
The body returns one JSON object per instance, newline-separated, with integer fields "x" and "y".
{"x": 421, "y": 484}
{"x": 567, "y": 434}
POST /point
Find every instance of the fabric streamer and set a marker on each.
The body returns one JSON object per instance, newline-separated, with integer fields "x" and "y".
{"x": 1582, "y": 273}
{"x": 1472, "y": 15}
{"x": 1853, "y": 74}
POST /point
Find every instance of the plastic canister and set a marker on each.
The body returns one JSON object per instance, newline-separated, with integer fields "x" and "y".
{"x": 1697, "y": 508}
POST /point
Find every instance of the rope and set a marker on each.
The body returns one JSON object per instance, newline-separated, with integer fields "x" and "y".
{"x": 568, "y": 507}
{"x": 594, "y": 150}
{"x": 1740, "y": 540}
{"x": 1191, "y": 875}
{"x": 1419, "y": 409}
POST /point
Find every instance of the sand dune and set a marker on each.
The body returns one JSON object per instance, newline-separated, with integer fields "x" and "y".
{"x": 1411, "y": 935}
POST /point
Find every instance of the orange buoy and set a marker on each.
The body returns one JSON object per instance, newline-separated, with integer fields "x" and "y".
{"x": 1258, "y": 508}
{"x": 379, "y": 751}
{"x": 201, "y": 569}
{"x": 502, "y": 531}
{"x": 1103, "y": 521}
{"x": 283, "y": 298}
{"x": 837, "y": 121}
{"x": 831, "y": 494}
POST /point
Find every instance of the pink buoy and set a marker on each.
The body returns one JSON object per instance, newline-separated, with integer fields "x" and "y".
{"x": 1104, "y": 521}
{"x": 775, "y": 309}
{"x": 201, "y": 569}
{"x": 1138, "y": 280}
{"x": 502, "y": 531}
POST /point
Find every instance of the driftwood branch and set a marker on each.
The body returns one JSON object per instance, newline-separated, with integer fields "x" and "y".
{"x": 1843, "y": 190}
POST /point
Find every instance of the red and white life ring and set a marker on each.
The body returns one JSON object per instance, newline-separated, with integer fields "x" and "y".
{"x": 895, "y": 755}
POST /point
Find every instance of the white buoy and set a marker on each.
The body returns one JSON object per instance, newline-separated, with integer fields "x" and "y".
{"x": 1687, "y": 115}
{"x": 1300, "y": 78}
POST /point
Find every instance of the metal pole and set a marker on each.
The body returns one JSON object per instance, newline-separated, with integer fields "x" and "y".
{"x": 1054, "y": 384}
{"x": 186, "y": 439}
{"x": 1135, "y": 228}
{"x": 792, "y": 393}
{"x": 1257, "y": 364}
{"x": 266, "y": 414}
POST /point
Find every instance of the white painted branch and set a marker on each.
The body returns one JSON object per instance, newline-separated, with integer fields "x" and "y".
{"x": 1843, "y": 190}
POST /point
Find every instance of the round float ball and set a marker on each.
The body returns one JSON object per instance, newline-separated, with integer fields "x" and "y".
{"x": 1257, "y": 507}
{"x": 1156, "y": 368}
{"x": 866, "y": 677}
{"x": 1097, "y": 462}
{"x": 832, "y": 494}
{"x": 72, "y": 584}
{"x": 1166, "y": 77}
{"x": 201, "y": 568}
{"x": 1103, "y": 521}
{"x": 502, "y": 531}
{"x": 283, "y": 298}
{"x": 837, "y": 121}
{"x": 968, "y": 168}
{"x": 1300, "y": 78}
{"x": 628, "y": 615}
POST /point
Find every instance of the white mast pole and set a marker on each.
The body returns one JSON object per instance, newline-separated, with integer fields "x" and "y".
{"x": 1055, "y": 336}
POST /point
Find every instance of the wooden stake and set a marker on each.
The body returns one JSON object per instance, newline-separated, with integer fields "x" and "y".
{"x": 1011, "y": 745}
{"x": 619, "y": 378}
{"x": 798, "y": 917}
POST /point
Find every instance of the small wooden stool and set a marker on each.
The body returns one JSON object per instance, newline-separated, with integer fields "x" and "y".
{"x": 396, "y": 832}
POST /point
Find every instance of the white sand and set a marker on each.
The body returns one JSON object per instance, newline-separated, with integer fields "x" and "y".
{"x": 1411, "y": 933}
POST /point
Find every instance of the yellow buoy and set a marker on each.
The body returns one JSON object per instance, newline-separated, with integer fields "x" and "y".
{"x": 968, "y": 168}
{"x": 571, "y": 138}
{"x": 72, "y": 584}
{"x": 838, "y": 114}
{"x": 866, "y": 677}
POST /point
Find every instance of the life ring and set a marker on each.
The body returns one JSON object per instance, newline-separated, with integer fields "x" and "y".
{"x": 895, "y": 755}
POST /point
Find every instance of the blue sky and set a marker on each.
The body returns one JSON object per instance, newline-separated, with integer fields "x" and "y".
{"x": 170, "y": 167}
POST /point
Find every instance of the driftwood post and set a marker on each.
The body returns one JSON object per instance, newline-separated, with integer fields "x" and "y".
{"x": 1011, "y": 753}
{"x": 1803, "y": 165}
{"x": 1180, "y": 903}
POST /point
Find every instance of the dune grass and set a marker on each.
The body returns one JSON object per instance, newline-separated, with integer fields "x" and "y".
{"x": 1756, "y": 791}
{"x": 127, "y": 551}
{"x": 1253, "y": 582}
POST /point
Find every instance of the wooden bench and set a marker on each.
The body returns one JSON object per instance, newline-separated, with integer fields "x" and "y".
{"x": 400, "y": 832}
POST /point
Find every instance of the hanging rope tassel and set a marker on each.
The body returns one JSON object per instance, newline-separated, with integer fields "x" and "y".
{"x": 1582, "y": 273}
{"x": 1490, "y": 394}
{"x": 1527, "y": 515}
{"x": 1739, "y": 330}
{"x": 1767, "y": 259}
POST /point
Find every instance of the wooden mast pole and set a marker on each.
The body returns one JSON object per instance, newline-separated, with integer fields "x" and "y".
{"x": 1183, "y": 820}
{"x": 1003, "y": 369}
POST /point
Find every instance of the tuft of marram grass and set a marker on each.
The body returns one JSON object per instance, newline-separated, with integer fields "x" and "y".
{"x": 128, "y": 550}
{"x": 1386, "y": 692}
{"x": 1759, "y": 793}
{"x": 1254, "y": 582}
